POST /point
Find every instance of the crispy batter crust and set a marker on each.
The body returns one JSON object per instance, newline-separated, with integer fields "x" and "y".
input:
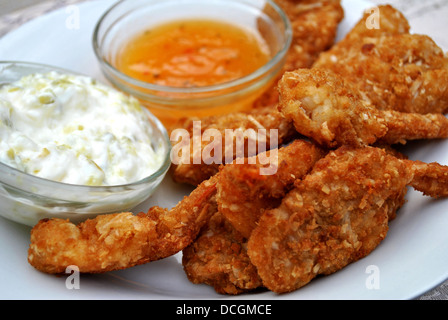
{"x": 390, "y": 68}
{"x": 218, "y": 257}
{"x": 336, "y": 215}
{"x": 430, "y": 178}
{"x": 266, "y": 119}
{"x": 323, "y": 108}
{"x": 122, "y": 240}
{"x": 326, "y": 108}
{"x": 314, "y": 26}
{"x": 244, "y": 194}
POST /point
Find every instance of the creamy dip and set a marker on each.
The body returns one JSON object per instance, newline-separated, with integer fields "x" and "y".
{"x": 74, "y": 130}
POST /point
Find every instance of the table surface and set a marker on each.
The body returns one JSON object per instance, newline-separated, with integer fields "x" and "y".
{"x": 425, "y": 17}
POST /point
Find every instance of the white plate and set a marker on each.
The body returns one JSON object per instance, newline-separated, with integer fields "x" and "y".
{"x": 411, "y": 260}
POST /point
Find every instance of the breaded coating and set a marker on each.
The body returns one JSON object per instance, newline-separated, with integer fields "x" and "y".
{"x": 122, "y": 240}
{"x": 246, "y": 125}
{"x": 314, "y": 26}
{"x": 431, "y": 179}
{"x": 325, "y": 108}
{"x": 391, "y": 22}
{"x": 402, "y": 127}
{"x": 218, "y": 257}
{"x": 336, "y": 215}
{"x": 244, "y": 194}
{"x": 390, "y": 68}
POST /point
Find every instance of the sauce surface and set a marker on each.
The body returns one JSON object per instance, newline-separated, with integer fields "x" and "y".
{"x": 192, "y": 53}
{"x": 74, "y": 130}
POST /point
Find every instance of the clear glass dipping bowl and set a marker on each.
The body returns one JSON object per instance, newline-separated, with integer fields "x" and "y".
{"x": 128, "y": 18}
{"x": 26, "y": 199}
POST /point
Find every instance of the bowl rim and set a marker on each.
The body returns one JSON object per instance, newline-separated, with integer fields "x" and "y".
{"x": 35, "y": 180}
{"x": 202, "y": 89}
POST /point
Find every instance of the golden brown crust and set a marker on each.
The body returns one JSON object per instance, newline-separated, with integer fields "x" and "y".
{"x": 391, "y": 22}
{"x": 122, "y": 240}
{"x": 94, "y": 246}
{"x": 289, "y": 227}
{"x": 264, "y": 118}
{"x": 336, "y": 215}
{"x": 244, "y": 194}
{"x": 218, "y": 257}
{"x": 403, "y": 127}
{"x": 314, "y": 26}
{"x": 390, "y": 68}
{"x": 326, "y": 108}
{"x": 430, "y": 178}
{"x": 323, "y": 108}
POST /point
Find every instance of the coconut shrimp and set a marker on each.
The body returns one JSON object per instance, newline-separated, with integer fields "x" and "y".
{"x": 389, "y": 67}
{"x": 218, "y": 256}
{"x": 118, "y": 241}
{"x": 243, "y": 194}
{"x": 325, "y": 108}
{"x": 245, "y": 127}
{"x": 337, "y": 214}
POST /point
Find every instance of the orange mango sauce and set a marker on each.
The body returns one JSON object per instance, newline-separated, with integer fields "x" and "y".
{"x": 194, "y": 53}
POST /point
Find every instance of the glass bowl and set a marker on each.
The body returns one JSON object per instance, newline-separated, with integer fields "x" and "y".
{"x": 26, "y": 199}
{"x": 128, "y": 18}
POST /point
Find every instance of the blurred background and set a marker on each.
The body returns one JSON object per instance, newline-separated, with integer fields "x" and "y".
{"x": 8, "y": 6}
{"x": 426, "y": 17}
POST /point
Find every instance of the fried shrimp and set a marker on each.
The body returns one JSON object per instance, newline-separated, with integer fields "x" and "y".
{"x": 244, "y": 194}
{"x": 431, "y": 179}
{"x": 218, "y": 256}
{"x": 336, "y": 215}
{"x": 241, "y": 125}
{"x": 325, "y": 108}
{"x": 391, "y": 68}
{"x": 314, "y": 25}
{"x": 122, "y": 240}
{"x": 391, "y": 22}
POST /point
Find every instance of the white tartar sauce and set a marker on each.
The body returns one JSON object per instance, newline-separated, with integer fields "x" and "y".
{"x": 71, "y": 129}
